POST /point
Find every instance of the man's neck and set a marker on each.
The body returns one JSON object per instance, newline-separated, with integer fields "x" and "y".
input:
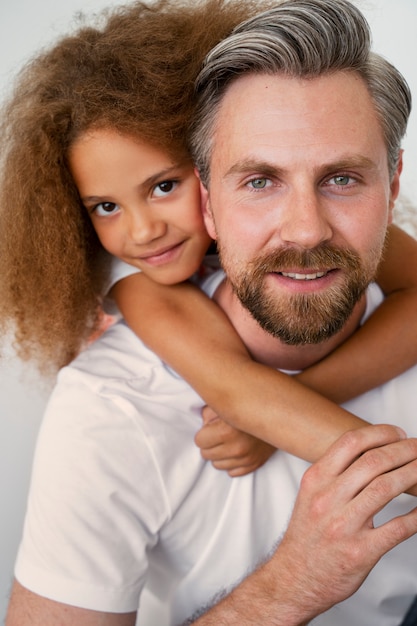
{"x": 272, "y": 351}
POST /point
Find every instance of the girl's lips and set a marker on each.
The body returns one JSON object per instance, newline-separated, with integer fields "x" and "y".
{"x": 160, "y": 257}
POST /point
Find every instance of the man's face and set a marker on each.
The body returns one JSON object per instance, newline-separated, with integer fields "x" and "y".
{"x": 300, "y": 198}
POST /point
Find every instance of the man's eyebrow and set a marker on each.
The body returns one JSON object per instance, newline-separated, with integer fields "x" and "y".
{"x": 347, "y": 162}
{"x": 253, "y": 165}
{"x": 266, "y": 168}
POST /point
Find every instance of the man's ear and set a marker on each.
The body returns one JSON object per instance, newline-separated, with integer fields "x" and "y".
{"x": 206, "y": 209}
{"x": 395, "y": 186}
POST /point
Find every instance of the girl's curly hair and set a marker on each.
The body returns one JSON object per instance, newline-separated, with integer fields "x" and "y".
{"x": 133, "y": 71}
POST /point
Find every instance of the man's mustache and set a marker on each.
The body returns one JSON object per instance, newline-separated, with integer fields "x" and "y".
{"x": 324, "y": 257}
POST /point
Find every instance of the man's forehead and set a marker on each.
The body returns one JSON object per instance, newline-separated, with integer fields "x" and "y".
{"x": 262, "y": 112}
{"x": 263, "y": 90}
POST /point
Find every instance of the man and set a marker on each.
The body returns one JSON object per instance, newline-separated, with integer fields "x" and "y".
{"x": 297, "y": 141}
{"x": 300, "y": 182}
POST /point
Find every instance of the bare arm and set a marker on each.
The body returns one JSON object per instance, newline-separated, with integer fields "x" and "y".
{"x": 330, "y": 534}
{"x": 324, "y": 560}
{"x": 386, "y": 345}
{"x": 180, "y": 322}
{"x": 171, "y": 320}
{"x": 29, "y": 609}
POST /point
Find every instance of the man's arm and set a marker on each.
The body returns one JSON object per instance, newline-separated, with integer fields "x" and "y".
{"x": 328, "y": 550}
{"x": 28, "y": 609}
{"x": 331, "y": 544}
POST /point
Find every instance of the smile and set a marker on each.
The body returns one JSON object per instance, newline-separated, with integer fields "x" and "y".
{"x": 161, "y": 257}
{"x": 303, "y": 276}
{"x": 160, "y": 253}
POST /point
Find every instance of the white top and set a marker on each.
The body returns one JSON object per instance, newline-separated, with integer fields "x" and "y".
{"x": 119, "y": 270}
{"x": 121, "y": 500}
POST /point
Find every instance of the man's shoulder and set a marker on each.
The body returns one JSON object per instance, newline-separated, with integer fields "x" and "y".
{"x": 118, "y": 359}
{"x": 374, "y": 297}
{"x": 209, "y": 282}
{"x": 118, "y": 380}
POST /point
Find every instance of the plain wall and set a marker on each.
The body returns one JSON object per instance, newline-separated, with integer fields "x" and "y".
{"x": 25, "y": 26}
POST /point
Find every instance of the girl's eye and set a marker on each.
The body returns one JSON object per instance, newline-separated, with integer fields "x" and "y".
{"x": 106, "y": 208}
{"x": 259, "y": 183}
{"x": 163, "y": 189}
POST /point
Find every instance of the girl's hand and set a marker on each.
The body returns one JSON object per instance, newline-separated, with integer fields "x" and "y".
{"x": 229, "y": 449}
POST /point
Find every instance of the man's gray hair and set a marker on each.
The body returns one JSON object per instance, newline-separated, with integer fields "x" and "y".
{"x": 300, "y": 38}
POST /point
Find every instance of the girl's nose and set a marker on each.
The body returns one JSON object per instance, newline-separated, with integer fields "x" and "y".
{"x": 144, "y": 227}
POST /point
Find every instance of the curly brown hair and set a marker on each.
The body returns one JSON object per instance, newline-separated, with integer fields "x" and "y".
{"x": 133, "y": 71}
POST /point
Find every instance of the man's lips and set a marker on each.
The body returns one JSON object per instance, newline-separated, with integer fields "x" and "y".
{"x": 305, "y": 280}
{"x": 304, "y": 276}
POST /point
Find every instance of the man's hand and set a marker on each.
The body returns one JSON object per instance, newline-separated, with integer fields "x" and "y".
{"x": 331, "y": 543}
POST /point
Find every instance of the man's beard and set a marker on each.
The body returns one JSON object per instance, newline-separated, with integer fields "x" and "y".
{"x": 308, "y": 318}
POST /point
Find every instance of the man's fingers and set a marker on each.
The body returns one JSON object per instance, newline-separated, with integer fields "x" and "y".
{"x": 377, "y": 465}
{"x": 387, "y": 483}
{"x": 354, "y": 444}
{"x": 382, "y": 460}
{"x": 392, "y": 533}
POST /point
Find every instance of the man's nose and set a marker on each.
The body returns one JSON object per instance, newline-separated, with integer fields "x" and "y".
{"x": 305, "y": 220}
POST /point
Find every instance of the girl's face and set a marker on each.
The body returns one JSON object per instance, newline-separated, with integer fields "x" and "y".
{"x": 144, "y": 207}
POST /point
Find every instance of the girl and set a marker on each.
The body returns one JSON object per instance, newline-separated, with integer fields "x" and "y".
{"x": 95, "y": 160}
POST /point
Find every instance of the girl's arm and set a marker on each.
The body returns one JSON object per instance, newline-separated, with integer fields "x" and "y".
{"x": 386, "y": 345}
{"x": 191, "y": 333}
{"x": 228, "y": 448}
{"x": 265, "y": 403}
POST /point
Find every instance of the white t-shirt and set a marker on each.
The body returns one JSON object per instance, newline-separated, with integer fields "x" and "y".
{"x": 122, "y": 502}
{"x": 119, "y": 270}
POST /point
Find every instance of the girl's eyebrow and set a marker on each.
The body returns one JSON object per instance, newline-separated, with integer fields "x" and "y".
{"x": 158, "y": 176}
{"x": 148, "y": 182}
{"x": 94, "y": 199}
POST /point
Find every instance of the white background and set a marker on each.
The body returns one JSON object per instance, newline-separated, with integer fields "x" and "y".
{"x": 25, "y": 26}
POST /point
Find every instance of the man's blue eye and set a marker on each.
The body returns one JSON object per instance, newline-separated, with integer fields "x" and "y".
{"x": 341, "y": 180}
{"x": 259, "y": 183}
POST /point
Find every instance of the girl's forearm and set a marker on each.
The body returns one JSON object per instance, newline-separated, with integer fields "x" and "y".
{"x": 383, "y": 348}
{"x": 193, "y": 335}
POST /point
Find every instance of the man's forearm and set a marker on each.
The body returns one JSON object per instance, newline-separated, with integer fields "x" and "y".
{"x": 330, "y": 545}
{"x": 264, "y": 597}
